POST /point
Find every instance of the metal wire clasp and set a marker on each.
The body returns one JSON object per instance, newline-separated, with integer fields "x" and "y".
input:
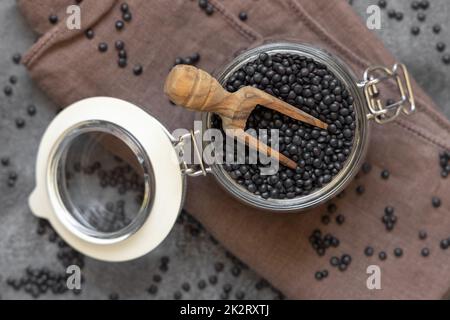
{"x": 379, "y": 111}
{"x": 192, "y": 170}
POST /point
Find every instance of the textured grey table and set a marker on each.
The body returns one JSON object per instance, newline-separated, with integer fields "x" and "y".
{"x": 191, "y": 251}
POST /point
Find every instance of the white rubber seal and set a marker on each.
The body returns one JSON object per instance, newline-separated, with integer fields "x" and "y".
{"x": 168, "y": 179}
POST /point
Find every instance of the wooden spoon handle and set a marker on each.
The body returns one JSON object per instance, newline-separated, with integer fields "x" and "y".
{"x": 255, "y": 144}
{"x": 194, "y": 89}
{"x": 282, "y": 107}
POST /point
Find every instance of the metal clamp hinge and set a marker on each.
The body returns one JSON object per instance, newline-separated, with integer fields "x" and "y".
{"x": 195, "y": 169}
{"x": 386, "y": 112}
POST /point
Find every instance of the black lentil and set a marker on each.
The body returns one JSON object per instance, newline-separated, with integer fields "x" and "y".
{"x": 240, "y": 295}
{"x": 153, "y": 289}
{"x": 8, "y": 90}
{"x": 124, "y": 7}
{"x": 335, "y": 261}
{"x": 382, "y": 255}
{"x": 12, "y": 79}
{"x": 243, "y": 16}
{"x": 425, "y": 252}
{"x": 360, "y": 189}
{"x": 163, "y": 268}
{"x": 138, "y": 70}
{"x": 424, "y": 4}
{"x": 122, "y": 62}
{"x": 340, "y": 219}
{"x": 89, "y": 33}
{"x": 391, "y": 13}
{"x": 119, "y": 25}
{"x": 122, "y": 54}
{"x": 421, "y": 16}
{"x": 382, "y": 4}
{"x": 446, "y": 58}
{"x": 369, "y": 251}
{"x": 444, "y": 244}
{"x": 165, "y": 260}
{"x": 209, "y": 9}
{"x": 201, "y": 284}
{"x": 224, "y": 296}
{"x": 436, "y": 28}
{"x": 332, "y": 208}
{"x": 440, "y": 46}
{"x": 318, "y": 275}
{"x": 16, "y": 58}
{"x": 415, "y": 30}
{"x": 219, "y": 266}
{"x": 346, "y": 259}
{"x": 213, "y": 280}
{"x": 113, "y": 296}
{"x": 398, "y": 252}
{"x": 236, "y": 271}
{"x": 195, "y": 57}
{"x": 157, "y": 278}
{"x": 177, "y": 295}
{"x": 436, "y": 202}
{"x": 422, "y": 234}
{"x": 227, "y": 288}
{"x": 366, "y": 167}
{"x": 385, "y": 174}
{"x": 186, "y": 286}
{"x": 120, "y": 45}
{"x": 53, "y": 19}
{"x": 342, "y": 267}
{"x": 31, "y": 110}
{"x": 102, "y": 47}
{"x": 261, "y": 284}
{"x": 127, "y": 16}
{"x": 203, "y": 4}
{"x": 12, "y": 175}
{"x": 20, "y": 123}
{"x": 325, "y": 219}
{"x": 320, "y": 154}
{"x": 5, "y": 161}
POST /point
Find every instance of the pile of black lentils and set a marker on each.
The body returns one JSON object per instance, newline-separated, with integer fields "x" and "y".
{"x": 320, "y": 154}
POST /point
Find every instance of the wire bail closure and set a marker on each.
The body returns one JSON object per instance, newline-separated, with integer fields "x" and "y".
{"x": 379, "y": 111}
{"x": 192, "y": 170}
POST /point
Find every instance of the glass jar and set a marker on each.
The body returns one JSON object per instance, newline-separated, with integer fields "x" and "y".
{"x": 84, "y": 188}
{"x": 367, "y": 106}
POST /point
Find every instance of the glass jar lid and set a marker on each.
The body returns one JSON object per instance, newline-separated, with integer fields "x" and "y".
{"x": 108, "y": 179}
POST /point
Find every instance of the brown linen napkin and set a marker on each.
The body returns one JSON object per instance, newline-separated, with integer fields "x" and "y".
{"x": 69, "y": 67}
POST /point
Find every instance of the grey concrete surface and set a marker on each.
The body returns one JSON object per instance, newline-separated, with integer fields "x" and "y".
{"x": 191, "y": 251}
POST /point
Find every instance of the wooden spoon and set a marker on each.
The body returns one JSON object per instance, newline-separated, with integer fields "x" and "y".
{"x": 196, "y": 90}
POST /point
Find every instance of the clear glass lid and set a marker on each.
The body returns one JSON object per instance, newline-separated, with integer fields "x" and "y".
{"x": 103, "y": 181}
